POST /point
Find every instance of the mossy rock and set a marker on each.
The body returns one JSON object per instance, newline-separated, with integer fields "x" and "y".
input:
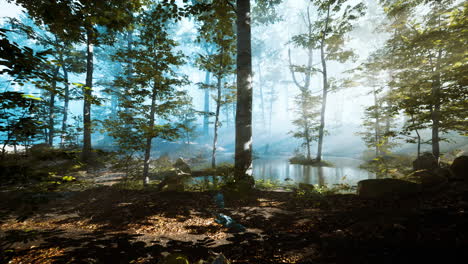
{"x": 459, "y": 167}
{"x": 387, "y": 188}
{"x": 428, "y": 179}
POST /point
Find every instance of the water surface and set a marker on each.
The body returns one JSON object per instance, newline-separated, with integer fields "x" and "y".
{"x": 345, "y": 170}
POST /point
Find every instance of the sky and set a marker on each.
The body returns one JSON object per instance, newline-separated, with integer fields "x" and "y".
{"x": 9, "y": 10}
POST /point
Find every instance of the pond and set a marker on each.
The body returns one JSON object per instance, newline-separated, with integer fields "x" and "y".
{"x": 345, "y": 171}
{"x": 278, "y": 168}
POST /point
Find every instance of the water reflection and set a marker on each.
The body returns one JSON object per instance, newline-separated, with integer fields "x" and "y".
{"x": 346, "y": 170}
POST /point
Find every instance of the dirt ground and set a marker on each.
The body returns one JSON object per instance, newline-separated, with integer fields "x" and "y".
{"x": 105, "y": 224}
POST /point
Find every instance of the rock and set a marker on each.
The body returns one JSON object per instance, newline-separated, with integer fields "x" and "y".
{"x": 173, "y": 180}
{"x": 387, "y": 188}
{"x": 182, "y": 165}
{"x": 426, "y": 161}
{"x": 459, "y": 167}
{"x": 444, "y": 172}
{"x": 306, "y": 187}
{"x": 429, "y": 180}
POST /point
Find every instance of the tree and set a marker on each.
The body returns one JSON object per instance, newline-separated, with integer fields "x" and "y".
{"x": 331, "y": 29}
{"x": 306, "y": 122}
{"x": 217, "y": 31}
{"x": 154, "y": 78}
{"x": 17, "y": 118}
{"x": 243, "y": 151}
{"x": 429, "y": 81}
{"x": 305, "y": 101}
{"x": 378, "y": 118}
{"x": 23, "y": 65}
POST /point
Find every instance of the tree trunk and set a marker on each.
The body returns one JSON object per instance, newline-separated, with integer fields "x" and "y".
{"x": 52, "y": 106}
{"x": 305, "y": 89}
{"x": 149, "y": 137}
{"x": 325, "y": 88}
{"x": 419, "y": 139}
{"x": 435, "y": 115}
{"x": 66, "y": 101}
{"x": 87, "y": 95}
{"x": 262, "y": 103}
{"x": 377, "y": 120}
{"x": 243, "y": 152}
{"x": 216, "y": 124}
{"x": 206, "y": 116}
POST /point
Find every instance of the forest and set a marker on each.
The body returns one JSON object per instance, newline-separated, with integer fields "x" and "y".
{"x": 233, "y": 131}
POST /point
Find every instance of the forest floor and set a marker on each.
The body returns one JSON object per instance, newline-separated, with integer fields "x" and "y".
{"x": 102, "y": 223}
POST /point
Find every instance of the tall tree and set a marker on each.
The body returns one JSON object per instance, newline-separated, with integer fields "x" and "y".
{"x": 243, "y": 151}
{"x": 217, "y": 31}
{"x": 429, "y": 81}
{"x": 305, "y": 101}
{"x": 154, "y": 79}
{"x": 333, "y": 24}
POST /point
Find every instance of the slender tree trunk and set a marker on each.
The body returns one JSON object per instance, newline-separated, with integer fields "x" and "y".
{"x": 149, "y": 137}
{"x": 52, "y": 106}
{"x": 87, "y": 94}
{"x": 66, "y": 101}
{"x": 325, "y": 88}
{"x": 308, "y": 148}
{"x": 262, "y": 103}
{"x": 243, "y": 152}
{"x": 377, "y": 124}
{"x": 129, "y": 68}
{"x": 216, "y": 124}
{"x": 435, "y": 115}
{"x": 270, "y": 113}
{"x": 305, "y": 89}
{"x": 419, "y": 139}
{"x": 206, "y": 116}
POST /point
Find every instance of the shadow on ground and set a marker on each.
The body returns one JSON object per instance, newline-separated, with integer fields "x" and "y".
{"x": 280, "y": 228}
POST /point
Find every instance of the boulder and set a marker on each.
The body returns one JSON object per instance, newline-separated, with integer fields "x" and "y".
{"x": 306, "y": 187}
{"x": 387, "y": 188}
{"x": 182, "y": 165}
{"x": 445, "y": 172}
{"x": 459, "y": 167}
{"x": 426, "y": 161}
{"x": 429, "y": 180}
{"x": 173, "y": 180}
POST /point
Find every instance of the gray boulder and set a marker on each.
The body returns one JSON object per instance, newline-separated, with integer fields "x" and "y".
{"x": 459, "y": 167}
{"x": 173, "y": 180}
{"x": 429, "y": 180}
{"x": 182, "y": 165}
{"x": 387, "y": 188}
{"x": 426, "y": 161}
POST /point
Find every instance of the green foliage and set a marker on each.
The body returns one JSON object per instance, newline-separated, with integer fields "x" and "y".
{"x": 20, "y": 63}
{"x": 379, "y": 118}
{"x": 306, "y": 122}
{"x": 429, "y": 64}
{"x": 152, "y": 76}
